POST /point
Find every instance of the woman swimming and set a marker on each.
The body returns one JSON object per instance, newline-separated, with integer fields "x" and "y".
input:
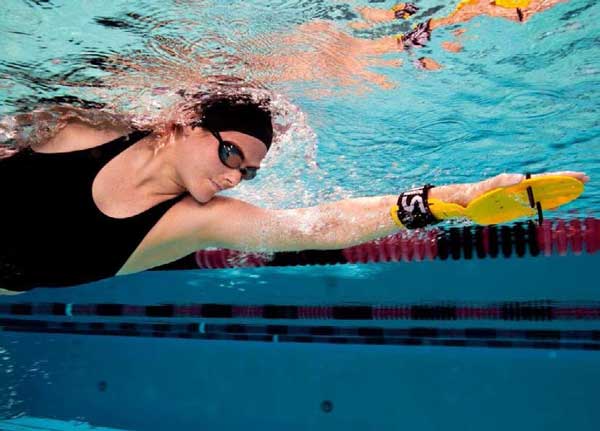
{"x": 91, "y": 202}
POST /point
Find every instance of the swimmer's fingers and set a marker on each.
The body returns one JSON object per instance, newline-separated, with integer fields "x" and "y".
{"x": 581, "y": 176}
{"x": 507, "y": 180}
{"x": 463, "y": 194}
{"x": 474, "y": 190}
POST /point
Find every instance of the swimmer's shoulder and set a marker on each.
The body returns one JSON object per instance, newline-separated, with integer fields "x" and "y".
{"x": 77, "y": 135}
{"x": 189, "y": 226}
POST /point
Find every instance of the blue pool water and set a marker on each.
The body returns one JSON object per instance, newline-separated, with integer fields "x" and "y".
{"x": 518, "y": 97}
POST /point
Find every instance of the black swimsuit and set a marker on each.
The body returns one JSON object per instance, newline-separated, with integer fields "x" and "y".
{"x": 52, "y": 233}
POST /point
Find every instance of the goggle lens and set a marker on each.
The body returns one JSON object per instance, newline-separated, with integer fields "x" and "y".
{"x": 232, "y": 157}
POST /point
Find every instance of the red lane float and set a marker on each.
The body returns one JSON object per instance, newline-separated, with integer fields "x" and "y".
{"x": 551, "y": 237}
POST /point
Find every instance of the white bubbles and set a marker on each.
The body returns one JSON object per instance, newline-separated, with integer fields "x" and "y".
{"x": 8, "y": 125}
{"x": 289, "y": 174}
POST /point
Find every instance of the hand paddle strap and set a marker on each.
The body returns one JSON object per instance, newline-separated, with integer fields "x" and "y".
{"x": 412, "y": 210}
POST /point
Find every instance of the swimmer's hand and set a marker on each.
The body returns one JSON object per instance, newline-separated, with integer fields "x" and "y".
{"x": 463, "y": 194}
{"x": 503, "y": 198}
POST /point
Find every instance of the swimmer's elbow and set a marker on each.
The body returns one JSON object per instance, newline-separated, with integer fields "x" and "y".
{"x": 238, "y": 225}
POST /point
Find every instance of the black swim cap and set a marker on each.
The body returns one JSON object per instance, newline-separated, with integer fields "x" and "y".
{"x": 237, "y": 113}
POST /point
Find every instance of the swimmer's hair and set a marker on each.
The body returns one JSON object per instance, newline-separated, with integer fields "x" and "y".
{"x": 236, "y": 112}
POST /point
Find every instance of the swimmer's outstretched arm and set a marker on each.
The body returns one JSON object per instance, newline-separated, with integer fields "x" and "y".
{"x": 231, "y": 223}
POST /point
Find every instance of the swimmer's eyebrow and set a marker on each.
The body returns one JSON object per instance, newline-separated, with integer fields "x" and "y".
{"x": 244, "y": 156}
{"x": 252, "y": 167}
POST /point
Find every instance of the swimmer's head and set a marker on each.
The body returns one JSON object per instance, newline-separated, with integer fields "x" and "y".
{"x": 224, "y": 144}
{"x": 239, "y": 113}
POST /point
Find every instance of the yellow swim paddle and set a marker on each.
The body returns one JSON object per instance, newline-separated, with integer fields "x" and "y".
{"x": 509, "y": 4}
{"x": 504, "y": 204}
{"x": 512, "y": 4}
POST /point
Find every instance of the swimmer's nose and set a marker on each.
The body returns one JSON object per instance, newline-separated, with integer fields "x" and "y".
{"x": 232, "y": 178}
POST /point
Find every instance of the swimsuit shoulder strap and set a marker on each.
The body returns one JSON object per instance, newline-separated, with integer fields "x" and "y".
{"x": 105, "y": 152}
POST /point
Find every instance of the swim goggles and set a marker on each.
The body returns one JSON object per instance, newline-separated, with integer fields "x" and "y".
{"x": 232, "y": 157}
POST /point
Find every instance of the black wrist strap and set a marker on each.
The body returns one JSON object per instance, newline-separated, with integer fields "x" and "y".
{"x": 413, "y": 208}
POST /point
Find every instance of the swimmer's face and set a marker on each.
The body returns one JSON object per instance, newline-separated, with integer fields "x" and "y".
{"x": 200, "y": 168}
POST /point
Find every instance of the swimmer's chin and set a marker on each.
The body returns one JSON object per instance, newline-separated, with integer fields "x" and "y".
{"x": 203, "y": 197}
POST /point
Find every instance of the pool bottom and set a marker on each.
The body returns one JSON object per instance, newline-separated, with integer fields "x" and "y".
{"x": 149, "y": 380}
{"x": 156, "y": 384}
